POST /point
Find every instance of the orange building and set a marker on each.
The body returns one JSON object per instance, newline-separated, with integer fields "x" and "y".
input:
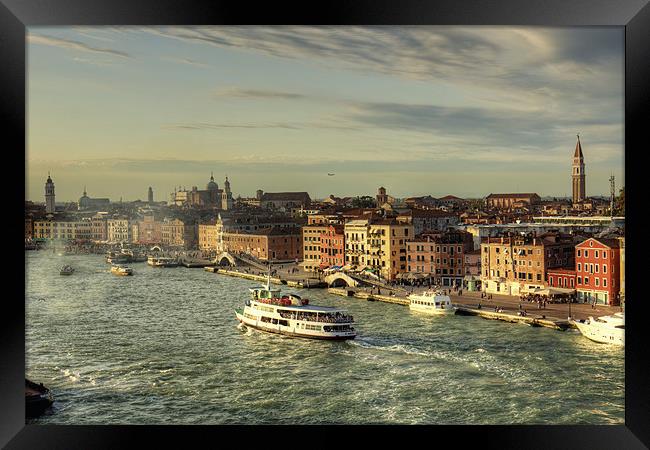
{"x": 267, "y": 244}
{"x": 598, "y": 271}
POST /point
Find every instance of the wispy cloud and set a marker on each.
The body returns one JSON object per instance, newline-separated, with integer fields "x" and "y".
{"x": 258, "y": 94}
{"x": 74, "y": 45}
{"x": 188, "y": 61}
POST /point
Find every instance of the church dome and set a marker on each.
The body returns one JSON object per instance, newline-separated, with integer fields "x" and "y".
{"x": 212, "y": 186}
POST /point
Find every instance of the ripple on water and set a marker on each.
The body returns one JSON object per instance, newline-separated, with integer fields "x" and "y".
{"x": 164, "y": 347}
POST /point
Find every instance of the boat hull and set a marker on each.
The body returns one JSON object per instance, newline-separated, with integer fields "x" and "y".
{"x": 595, "y": 334}
{"x": 277, "y": 330}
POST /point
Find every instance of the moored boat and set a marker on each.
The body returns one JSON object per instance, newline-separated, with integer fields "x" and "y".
{"x": 431, "y": 302}
{"x": 37, "y": 398}
{"x": 118, "y": 258}
{"x": 604, "y": 329}
{"x": 161, "y": 261}
{"x": 121, "y": 270}
{"x": 292, "y": 315}
{"x": 66, "y": 270}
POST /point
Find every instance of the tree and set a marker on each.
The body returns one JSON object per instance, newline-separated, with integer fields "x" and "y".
{"x": 363, "y": 202}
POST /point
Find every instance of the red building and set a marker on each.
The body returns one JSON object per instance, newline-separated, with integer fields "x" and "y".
{"x": 562, "y": 278}
{"x": 598, "y": 271}
{"x": 332, "y": 244}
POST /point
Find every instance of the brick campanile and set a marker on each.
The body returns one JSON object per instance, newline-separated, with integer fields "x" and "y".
{"x": 578, "y": 174}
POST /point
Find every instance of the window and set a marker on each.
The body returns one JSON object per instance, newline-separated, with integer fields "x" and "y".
{"x": 586, "y": 253}
{"x": 604, "y": 282}
{"x": 596, "y": 253}
{"x": 596, "y": 268}
{"x": 579, "y": 267}
{"x": 597, "y": 280}
{"x": 604, "y": 268}
{"x": 579, "y": 280}
{"x": 587, "y": 280}
{"x": 579, "y": 251}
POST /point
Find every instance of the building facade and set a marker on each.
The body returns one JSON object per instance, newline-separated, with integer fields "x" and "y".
{"x": 440, "y": 256}
{"x": 311, "y": 241}
{"x": 332, "y": 243}
{"x": 597, "y": 263}
{"x": 269, "y": 244}
{"x": 118, "y": 230}
{"x": 509, "y": 201}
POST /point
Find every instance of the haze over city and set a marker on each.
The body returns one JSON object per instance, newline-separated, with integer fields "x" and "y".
{"x": 420, "y": 110}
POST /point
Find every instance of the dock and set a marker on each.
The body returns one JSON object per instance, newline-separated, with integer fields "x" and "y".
{"x": 306, "y": 284}
{"x": 347, "y": 292}
{"x": 512, "y": 318}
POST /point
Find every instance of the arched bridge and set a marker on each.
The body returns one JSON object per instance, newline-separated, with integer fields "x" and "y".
{"x": 340, "y": 279}
{"x": 225, "y": 259}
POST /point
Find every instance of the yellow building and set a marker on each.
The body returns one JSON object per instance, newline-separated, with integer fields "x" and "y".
{"x": 63, "y": 230}
{"x": 209, "y": 237}
{"x": 356, "y": 236}
{"x": 311, "y": 248}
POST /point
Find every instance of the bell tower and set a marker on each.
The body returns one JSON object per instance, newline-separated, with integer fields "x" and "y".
{"x": 578, "y": 174}
{"x": 49, "y": 195}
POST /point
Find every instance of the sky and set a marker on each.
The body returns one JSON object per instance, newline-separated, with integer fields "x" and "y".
{"x": 420, "y": 110}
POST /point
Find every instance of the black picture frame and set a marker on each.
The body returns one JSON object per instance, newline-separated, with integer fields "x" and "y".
{"x": 634, "y": 15}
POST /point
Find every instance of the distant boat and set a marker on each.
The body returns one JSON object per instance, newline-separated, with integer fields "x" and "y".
{"x": 431, "y": 302}
{"x": 37, "y": 398}
{"x": 121, "y": 270}
{"x": 66, "y": 270}
{"x": 162, "y": 261}
{"x": 331, "y": 174}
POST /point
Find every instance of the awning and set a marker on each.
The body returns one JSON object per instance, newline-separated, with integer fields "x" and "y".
{"x": 335, "y": 267}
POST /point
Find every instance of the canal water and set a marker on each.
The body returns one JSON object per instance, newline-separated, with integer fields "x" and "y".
{"x": 163, "y": 347}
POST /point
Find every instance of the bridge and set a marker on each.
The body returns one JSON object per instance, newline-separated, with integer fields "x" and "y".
{"x": 340, "y": 279}
{"x": 236, "y": 259}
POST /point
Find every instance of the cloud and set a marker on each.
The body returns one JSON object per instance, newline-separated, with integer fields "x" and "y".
{"x": 187, "y": 61}
{"x": 73, "y": 45}
{"x": 258, "y": 94}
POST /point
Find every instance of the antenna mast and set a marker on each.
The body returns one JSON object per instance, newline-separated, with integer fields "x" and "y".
{"x": 611, "y": 198}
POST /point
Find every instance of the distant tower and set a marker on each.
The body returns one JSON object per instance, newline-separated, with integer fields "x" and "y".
{"x": 579, "y": 193}
{"x": 258, "y": 194}
{"x": 612, "y": 188}
{"x": 150, "y": 195}
{"x": 49, "y": 195}
{"x": 226, "y": 195}
{"x": 381, "y": 196}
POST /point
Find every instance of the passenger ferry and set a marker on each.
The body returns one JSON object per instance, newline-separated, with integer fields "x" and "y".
{"x": 161, "y": 261}
{"x": 431, "y": 302}
{"x": 117, "y": 258}
{"x": 293, "y": 316}
{"x": 121, "y": 270}
{"x": 604, "y": 329}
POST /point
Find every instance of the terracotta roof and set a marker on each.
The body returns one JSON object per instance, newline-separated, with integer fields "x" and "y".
{"x": 450, "y": 197}
{"x": 301, "y": 196}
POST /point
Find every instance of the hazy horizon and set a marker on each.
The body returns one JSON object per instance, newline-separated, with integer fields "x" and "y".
{"x": 420, "y": 110}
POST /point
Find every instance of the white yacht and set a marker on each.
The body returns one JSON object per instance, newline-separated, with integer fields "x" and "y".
{"x": 161, "y": 261}
{"x": 604, "y": 329}
{"x": 292, "y": 316}
{"x": 431, "y": 302}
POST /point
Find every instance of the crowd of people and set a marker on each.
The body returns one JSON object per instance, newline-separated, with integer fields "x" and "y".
{"x": 337, "y": 317}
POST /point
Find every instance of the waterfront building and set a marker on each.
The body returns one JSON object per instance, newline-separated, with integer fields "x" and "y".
{"x": 177, "y": 233}
{"x": 386, "y": 247}
{"x": 473, "y": 263}
{"x": 578, "y": 175}
{"x": 440, "y": 256}
{"x": 119, "y": 230}
{"x": 149, "y": 230}
{"x": 356, "y": 237}
{"x": 266, "y": 244}
{"x": 63, "y": 230}
{"x": 50, "y": 206}
{"x": 87, "y": 203}
{"x": 597, "y": 263}
{"x": 332, "y": 244}
{"x": 311, "y": 241}
{"x": 99, "y": 227}
{"x": 209, "y": 236}
{"x": 517, "y": 264}
{"x": 285, "y": 200}
{"x": 621, "y": 243}
{"x": 135, "y": 232}
{"x": 562, "y": 278}
{"x": 511, "y": 201}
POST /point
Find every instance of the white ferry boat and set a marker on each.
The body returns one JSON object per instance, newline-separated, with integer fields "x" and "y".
{"x": 293, "y": 316}
{"x": 604, "y": 329}
{"x": 431, "y": 302}
{"x": 161, "y": 261}
{"x": 66, "y": 270}
{"x": 121, "y": 270}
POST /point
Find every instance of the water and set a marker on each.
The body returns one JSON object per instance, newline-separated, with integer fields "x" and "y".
{"x": 163, "y": 347}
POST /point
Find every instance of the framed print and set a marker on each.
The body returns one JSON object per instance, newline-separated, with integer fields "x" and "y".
{"x": 353, "y": 216}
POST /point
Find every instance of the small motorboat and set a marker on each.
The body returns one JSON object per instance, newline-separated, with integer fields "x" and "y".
{"x": 37, "y": 398}
{"x": 67, "y": 270}
{"x": 121, "y": 270}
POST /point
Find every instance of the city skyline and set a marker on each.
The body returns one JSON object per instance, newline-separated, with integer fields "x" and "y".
{"x": 419, "y": 110}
